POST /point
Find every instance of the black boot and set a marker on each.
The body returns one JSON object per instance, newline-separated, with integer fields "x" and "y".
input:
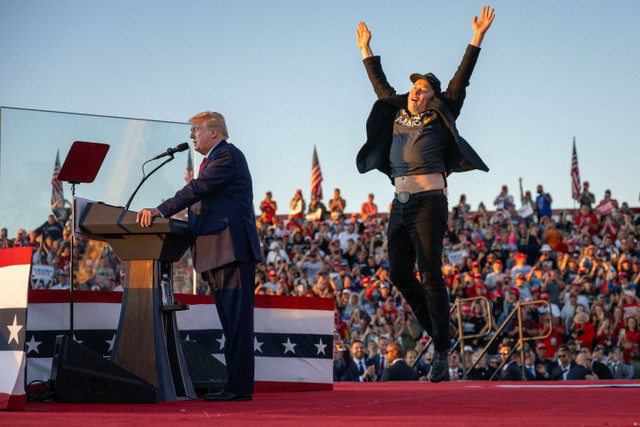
{"x": 439, "y": 367}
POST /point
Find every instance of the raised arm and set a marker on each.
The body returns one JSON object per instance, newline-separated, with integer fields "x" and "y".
{"x": 372, "y": 63}
{"x": 480, "y": 26}
{"x": 456, "y": 89}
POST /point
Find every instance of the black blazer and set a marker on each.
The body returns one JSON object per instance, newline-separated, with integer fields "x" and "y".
{"x": 221, "y": 216}
{"x": 399, "y": 371}
{"x": 601, "y": 370}
{"x": 556, "y": 373}
{"x": 460, "y": 156}
{"x": 511, "y": 372}
{"x": 578, "y": 372}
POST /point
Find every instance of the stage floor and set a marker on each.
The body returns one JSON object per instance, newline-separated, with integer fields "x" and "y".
{"x": 571, "y": 403}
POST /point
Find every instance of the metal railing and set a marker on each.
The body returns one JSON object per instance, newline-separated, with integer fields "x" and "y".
{"x": 519, "y": 345}
{"x": 461, "y": 337}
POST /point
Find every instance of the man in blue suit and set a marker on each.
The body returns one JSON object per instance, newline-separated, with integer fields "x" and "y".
{"x": 226, "y": 247}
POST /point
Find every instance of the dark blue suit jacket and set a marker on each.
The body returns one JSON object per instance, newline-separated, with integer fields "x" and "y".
{"x": 346, "y": 369}
{"x": 221, "y": 216}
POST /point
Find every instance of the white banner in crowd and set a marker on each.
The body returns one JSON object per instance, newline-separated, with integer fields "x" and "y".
{"x": 15, "y": 264}
{"x": 457, "y": 257}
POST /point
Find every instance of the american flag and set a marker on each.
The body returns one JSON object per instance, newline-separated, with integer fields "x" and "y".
{"x": 575, "y": 174}
{"x": 188, "y": 175}
{"x": 57, "y": 192}
{"x": 316, "y": 176}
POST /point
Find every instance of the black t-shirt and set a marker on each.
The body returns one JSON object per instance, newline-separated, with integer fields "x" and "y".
{"x": 419, "y": 144}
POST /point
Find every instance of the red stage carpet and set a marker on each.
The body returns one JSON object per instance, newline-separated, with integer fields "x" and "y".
{"x": 465, "y": 403}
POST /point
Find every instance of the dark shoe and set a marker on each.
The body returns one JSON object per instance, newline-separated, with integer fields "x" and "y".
{"x": 227, "y": 396}
{"x": 212, "y": 393}
{"x": 439, "y": 367}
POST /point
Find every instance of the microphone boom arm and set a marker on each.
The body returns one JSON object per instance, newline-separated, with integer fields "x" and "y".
{"x": 144, "y": 178}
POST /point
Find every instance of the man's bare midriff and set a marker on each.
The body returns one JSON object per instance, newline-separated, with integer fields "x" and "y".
{"x": 417, "y": 183}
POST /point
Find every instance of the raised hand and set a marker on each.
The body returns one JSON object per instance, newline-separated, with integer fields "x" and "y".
{"x": 481, "y": 25}
{"x": 363, "y": 39}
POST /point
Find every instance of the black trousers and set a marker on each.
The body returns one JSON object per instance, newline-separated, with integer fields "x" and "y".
{"x": 415, "y": 232}
{"x": 232, "y": 287}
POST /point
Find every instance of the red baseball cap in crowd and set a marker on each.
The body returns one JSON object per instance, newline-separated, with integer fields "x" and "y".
{"x": 366, "y": 280}
{"x": 535, "y": 289}
{"x": 475, "y": 264}
{"x": 497, "y": 294}
{"x": 520, "y": 255}
{"x": 480, "y": 244}
{"x": 515, "y": 292}
{"x": 477, "y": 276}
{"x": 272, "y": 272}
{"x": 544, "y": 296}
{"x": 541, "y": 345}
{"x": 466, "y": 308}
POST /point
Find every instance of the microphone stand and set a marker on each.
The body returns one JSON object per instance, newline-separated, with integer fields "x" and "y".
{"x": 145, "y": 177}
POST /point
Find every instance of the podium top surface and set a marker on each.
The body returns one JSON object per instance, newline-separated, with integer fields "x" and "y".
{"x": 100, "y": 219}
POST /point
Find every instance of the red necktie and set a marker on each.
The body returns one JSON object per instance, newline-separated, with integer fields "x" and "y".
{"x": 201, "y": 165}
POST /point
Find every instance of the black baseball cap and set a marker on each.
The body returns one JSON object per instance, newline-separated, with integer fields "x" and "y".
{"x": 430, "y": 77}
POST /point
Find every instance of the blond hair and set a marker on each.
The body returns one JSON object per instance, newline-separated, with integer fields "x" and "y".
{"x": 213, "y": 121}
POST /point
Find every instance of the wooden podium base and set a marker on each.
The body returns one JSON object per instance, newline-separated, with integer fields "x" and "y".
{"x": 147, "y": 342}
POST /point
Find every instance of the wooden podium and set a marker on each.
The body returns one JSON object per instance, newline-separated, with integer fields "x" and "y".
{"x": 147, "y": 342}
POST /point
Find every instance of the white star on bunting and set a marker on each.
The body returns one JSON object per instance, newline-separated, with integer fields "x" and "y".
{"x": 14, "y": 329}
{"x": 32, "y": 345}
{"x": 257, "y": 345}
{"x": 289, "y": 346}
{"x": 321, "y": 346}
{"x": 221, "y": 341}
{"x": 111, "y": 342}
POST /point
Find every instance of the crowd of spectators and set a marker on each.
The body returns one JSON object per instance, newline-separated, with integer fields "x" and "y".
{"x": 584, "y": 264}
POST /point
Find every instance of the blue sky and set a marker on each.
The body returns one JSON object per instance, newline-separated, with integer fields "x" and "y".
{"x": 288, "y": 75}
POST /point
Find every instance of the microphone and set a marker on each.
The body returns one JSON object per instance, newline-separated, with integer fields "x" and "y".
{"x": 171, "y": 151}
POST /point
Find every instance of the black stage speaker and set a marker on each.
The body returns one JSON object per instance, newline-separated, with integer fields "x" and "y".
{"x": 205, "y": 370}
{"x": 80, "y": 375}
